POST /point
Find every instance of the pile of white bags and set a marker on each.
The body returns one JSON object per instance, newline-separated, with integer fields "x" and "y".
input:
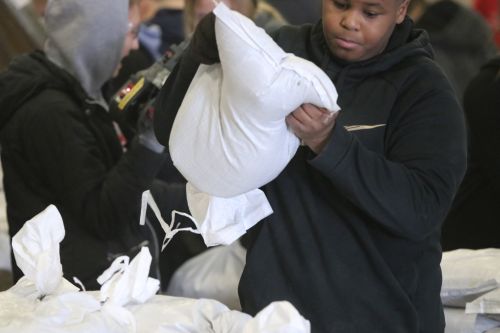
{"x": 43, "y": 301}
{"x": 230, "y": 136}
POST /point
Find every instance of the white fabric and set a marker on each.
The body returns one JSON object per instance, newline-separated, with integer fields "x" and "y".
{"x": 123, "y": 284}
{"x": 166, "y": 314}
{"x": 224, "y": 220}
{"x": 230, "y": 136}
{"x": 457, "y": 321}
{"x": 487, "y": 304}
{"x": 36, "y": 250}
{"x": 213, "y": 274}
{"x": 124, "y": 303}
{"x": 277, "y": 317}
{"x": 218, "y": 220}
{"x": 468, "y": 274}
{"x": 42, "y": 300}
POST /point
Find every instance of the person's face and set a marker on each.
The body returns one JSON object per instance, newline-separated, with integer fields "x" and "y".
{"x": 357, "y": 30}
{"x": 131, "y": 41}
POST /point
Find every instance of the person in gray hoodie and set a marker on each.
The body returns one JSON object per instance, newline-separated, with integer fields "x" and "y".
{"x": 60, "y": 145}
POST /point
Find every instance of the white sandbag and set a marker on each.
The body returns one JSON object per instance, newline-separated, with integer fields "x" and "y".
{"x": 468, "y": 274}
{"x": 123, "y": 283}
{"x": 36, "y": 250}
{"x": 167, "y": 314}
{"x": 277, "y": 317}
{"x": 213, "y": 274}
{"x": 230, "y": 135}
{"x": 42, "y": 300}
{"x": 125, "y": 303}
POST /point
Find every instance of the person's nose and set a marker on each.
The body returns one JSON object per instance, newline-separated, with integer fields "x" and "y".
{"x": 350, "y": 20}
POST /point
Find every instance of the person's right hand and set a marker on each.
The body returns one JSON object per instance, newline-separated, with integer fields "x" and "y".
{"x": 203, "y": 45}
{"x": 312, "y": 125}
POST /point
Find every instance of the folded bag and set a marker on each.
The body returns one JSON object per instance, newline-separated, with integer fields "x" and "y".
{"x": 230, "y": 136}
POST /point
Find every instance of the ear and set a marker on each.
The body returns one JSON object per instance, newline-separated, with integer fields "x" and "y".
{"x": 402, "y": 10}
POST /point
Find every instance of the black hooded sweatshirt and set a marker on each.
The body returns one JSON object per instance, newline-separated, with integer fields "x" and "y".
{"x": 58, "y": 147}
{"x": 353, "y": 242}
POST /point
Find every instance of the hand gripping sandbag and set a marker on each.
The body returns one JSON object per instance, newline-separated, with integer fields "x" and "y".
{"x": 230, "y": 134}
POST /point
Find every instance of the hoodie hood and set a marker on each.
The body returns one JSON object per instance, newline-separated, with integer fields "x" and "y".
{"x": 85, "y": 38}
{"x": 27, "y": 76}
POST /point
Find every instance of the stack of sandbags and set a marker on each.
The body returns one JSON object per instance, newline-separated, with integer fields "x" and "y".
{"x": 43, "y": 301}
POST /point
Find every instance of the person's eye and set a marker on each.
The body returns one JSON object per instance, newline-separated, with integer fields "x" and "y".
{"x": 340, "y": 5}
{"x": 371, "y": 15}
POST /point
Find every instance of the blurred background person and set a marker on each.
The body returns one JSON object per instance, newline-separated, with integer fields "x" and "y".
{"x": 262, "y": 13}
{"x": 473, "y": 221}
{"x": 162, "y": 26}
{"x": 460, "y": 37}
{"x": 59, "y": 144}
{"x": 489, "y": 9}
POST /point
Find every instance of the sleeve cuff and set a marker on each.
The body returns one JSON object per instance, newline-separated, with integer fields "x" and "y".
{"x": 334, "y": 152}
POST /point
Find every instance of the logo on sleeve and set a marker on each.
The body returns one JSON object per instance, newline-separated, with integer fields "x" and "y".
{"x": 362, "y": 127}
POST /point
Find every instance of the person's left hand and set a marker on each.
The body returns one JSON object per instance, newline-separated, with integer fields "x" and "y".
{"x": 312, "y": 125}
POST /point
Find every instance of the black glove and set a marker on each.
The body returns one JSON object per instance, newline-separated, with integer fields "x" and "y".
{"x": 203, "y": 46}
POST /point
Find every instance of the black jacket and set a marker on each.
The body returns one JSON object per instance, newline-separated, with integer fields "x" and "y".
{"x": 59, "y": 147}
{"x": 353, "y": 241}
{"x": 474, "y": 219}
